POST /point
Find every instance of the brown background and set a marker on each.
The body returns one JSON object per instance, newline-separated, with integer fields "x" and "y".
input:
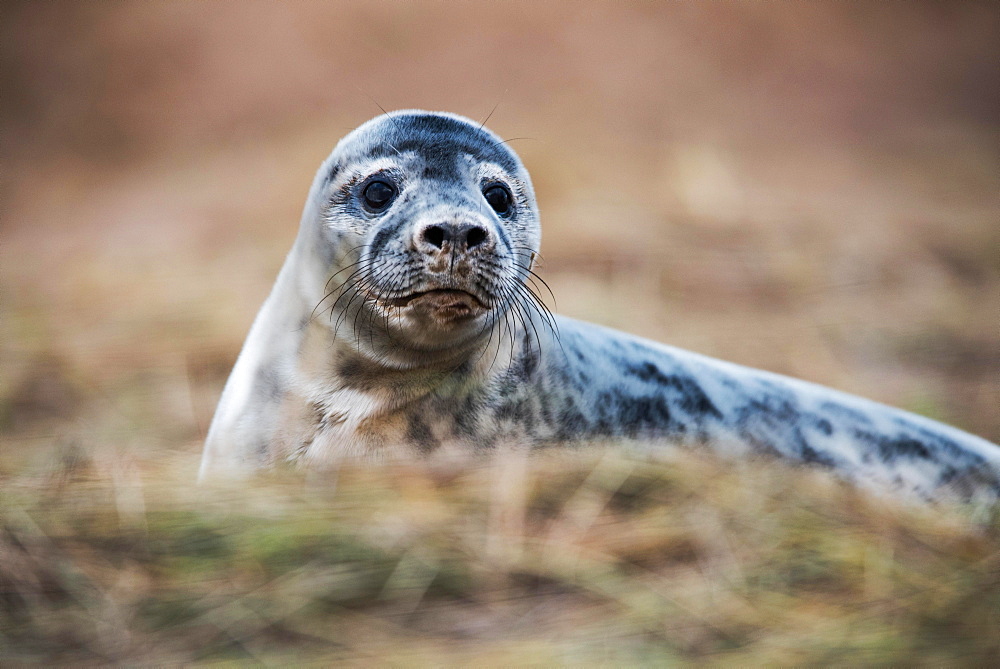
{"x": 809, "y": 188}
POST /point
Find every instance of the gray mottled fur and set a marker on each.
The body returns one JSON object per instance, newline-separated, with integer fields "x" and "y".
{"x": 338, "y": 363}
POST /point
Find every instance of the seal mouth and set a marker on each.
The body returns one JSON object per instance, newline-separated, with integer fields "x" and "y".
{"x": 459, "y": 302}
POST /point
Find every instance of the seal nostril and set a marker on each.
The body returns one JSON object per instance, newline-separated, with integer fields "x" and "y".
{"x": 475, "y": 237}
{"x": 434, "y": 235}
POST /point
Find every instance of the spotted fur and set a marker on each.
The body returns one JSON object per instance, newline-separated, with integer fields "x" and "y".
{"x": 411, "y": 330}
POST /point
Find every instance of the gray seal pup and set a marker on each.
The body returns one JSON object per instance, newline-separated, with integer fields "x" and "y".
{"x": 402, "y": 324}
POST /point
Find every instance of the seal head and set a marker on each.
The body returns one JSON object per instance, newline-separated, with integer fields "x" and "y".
{"x": 428, "y": 224}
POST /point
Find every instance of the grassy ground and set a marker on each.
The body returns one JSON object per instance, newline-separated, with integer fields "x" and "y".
{"x": 592, "y": 557}
{"x": 808, "y": 188}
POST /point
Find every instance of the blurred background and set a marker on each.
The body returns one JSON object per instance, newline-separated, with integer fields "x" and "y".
{"x": 809, "y": 188}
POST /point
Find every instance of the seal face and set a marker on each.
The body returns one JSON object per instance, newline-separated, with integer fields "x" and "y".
{"x": 403, "y": 323}
{"x": 443, "y": 218}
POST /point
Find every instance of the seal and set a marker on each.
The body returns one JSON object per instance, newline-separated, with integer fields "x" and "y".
{"x": 403, "y": 323}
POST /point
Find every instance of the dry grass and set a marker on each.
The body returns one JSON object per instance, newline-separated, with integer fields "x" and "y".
{"x": 594, "y": 557}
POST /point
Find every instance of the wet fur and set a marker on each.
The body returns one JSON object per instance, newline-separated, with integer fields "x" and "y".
{"x": 332, "y": 369}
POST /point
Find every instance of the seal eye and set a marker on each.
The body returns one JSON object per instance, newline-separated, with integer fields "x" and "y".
{"x": 378, "y": 194}
{"x": 499, "y": 198}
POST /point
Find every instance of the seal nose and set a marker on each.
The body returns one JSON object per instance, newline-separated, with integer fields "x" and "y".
{"x": 461, "y": 236}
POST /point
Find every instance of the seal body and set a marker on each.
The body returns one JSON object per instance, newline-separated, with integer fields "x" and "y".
{"x": 402, "y": 324}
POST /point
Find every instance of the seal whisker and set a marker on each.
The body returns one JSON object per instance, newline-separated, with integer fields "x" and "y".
{"x": 531, "y": 302}
{"x": 526, "y": 321}
{"x": 330, "y": 294}
{"x": 353, "y": 266}
{"x": 351, "y": 280}
{"x": 361, "y": 286}
{"x": 488, "y": 326}
{"x": 511, "y": 139}
{"x": 383, "y": 283}
{"x": 388, "y": 116}
{"x": 402, "y": 277}
{"x": 361, "y": 291}
{"x": 490, "y": 115}
{"x": 533, "y": 277}
{"x": 356, "y": 289}
{"x": 372, "y": 290}
{"x": 516, "y": 310}
{"x": 376, "y": 280}
{"x": 524, "y": 305}
{"x": 502, "y": 277}
{"x": 360, "y": 259}
{"x": 507, "y": 315}
{"x": 536, "y": 304}
{"x": 542, "y": 309}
